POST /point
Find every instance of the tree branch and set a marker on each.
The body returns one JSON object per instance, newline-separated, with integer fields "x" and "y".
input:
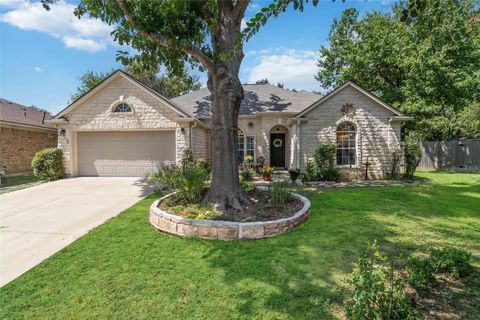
{"x": 239, "y": 9}
{"x": 192, "y": 50}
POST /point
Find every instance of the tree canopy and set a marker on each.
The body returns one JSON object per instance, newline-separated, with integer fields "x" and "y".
{"x": 423, "y": 58}
{"x": 205, "y": 34}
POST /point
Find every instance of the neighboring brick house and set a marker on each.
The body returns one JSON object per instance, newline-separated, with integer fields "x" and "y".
{"x": 124, "y": 128}
{"x": 23, "y": 132}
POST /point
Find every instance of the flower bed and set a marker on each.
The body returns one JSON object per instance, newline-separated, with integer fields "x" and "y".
{"x": 225, "y": 230}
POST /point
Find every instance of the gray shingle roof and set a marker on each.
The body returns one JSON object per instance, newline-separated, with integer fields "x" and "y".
{"x": 16, "y": 113}
{"x": 257, "y": 98}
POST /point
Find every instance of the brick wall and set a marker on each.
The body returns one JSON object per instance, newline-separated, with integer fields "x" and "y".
{"x": 18, "y": 146}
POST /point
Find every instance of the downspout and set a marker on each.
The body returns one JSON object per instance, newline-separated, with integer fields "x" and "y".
{"x": 191, "y": 128}
{"x": 297, "y": 133}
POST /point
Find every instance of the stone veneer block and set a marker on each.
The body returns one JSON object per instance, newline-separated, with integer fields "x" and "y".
{"x": 225, "y": 230}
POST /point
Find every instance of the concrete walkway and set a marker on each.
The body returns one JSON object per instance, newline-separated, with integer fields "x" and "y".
{"x": 37, "y": 222}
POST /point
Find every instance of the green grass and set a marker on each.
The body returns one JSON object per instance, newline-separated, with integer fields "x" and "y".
{"x": 124, "y": 269}
{"x": 17, "y": 183}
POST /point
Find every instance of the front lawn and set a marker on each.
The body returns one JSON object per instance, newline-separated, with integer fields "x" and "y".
{"x": 124, "y": 269}
{"x": 18, "y": 182}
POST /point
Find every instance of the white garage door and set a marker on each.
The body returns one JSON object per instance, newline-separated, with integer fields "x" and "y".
{"x": 127, "y": 154}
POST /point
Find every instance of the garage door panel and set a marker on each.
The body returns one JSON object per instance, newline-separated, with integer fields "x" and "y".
{"x": 124, "y": 153}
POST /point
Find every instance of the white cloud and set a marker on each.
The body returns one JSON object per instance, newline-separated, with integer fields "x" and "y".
{"x": 294, "y": 68}
{"x": 85, "y": 34}
{"x": 39, "y": 69}
{"x": 83, "y": 44}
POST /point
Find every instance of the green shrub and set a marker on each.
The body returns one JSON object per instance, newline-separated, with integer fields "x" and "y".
{"x": 247, "y": 187}
{"x": 279, "y": 192}
{"x": 204, "y": 164}
{"x": 191, "y": 183}
{"x": 329, "y": 174}
{"x": 395, "y": 165}
{"x": 420, "y": 271}
{"x": 246, "y": 174}
{"x": 453, "y": 261}
{"x": 47, "y": 164}
{"x": 188, "y": 182}
{"x": 187, "y": 158}
{"x": 325, "y": 155}
{"x": 166, "y": 177}
{"x": 315, "y": 173}
{"x": 412, "y": 154}
{"x": 378, "y": 292}
{"x": 312, "y": 172}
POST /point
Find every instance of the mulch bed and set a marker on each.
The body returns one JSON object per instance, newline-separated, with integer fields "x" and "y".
{"x": 262, "y": 208}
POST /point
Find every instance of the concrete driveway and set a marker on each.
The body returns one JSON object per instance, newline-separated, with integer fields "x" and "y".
{"x": 39, "y": 221}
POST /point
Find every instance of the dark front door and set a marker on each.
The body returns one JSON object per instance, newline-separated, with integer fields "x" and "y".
{"x": 277, "y": 150}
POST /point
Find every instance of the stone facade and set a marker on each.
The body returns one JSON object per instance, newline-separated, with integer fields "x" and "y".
{"x": 225, "y": 230}
{"x": 377, "y": 136}
{"x": 18, "y": 146}
{"x": 377, "y": 127}
{"x": 95, "y": 114}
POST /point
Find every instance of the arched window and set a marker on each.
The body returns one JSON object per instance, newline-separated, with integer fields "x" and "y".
{"x": 122, "y": 107}
{"x": 346, "y": 144}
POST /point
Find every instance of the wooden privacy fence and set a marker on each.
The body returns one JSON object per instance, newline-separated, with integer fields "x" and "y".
{"x": 462, "y": 155}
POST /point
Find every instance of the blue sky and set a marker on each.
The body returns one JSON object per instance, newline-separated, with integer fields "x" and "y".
{"x": 42, "y": 53}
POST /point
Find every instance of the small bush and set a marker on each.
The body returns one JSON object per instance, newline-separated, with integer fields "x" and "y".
{"x": 378, "y": 292}
{"x": 187, "y": 158}
{"x": 247, "y": 187}
{"x": 47, "y": 164}
{"x": 312, "y": 172}
{"x": 420, "y": 271}
{"x": 204, "y": 164}
{"x": 279, "y": 193}
{"x": 325, "y": 155}
{"x": 189, "y": 182}
{"x": 412, "y": 155}
{"x": 329, "y": 174}
{"x": 246, "y": 174}
{"x": 453, "y": 261}
{"x": 394, "y": 173}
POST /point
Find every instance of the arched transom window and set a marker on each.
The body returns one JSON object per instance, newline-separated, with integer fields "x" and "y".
{"x": 122, "y": 107}
{"x": 346, "y": 144}
{"x": 246, "y": 146}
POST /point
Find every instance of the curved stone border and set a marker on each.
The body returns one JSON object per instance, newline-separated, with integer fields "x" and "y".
{"x": 225, "y": 230}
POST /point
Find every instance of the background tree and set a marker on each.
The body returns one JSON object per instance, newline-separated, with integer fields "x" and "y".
{"x": 423, "y": 57}
{"x": 262, "y": 81}
{"x": 206, "y": 34}
{"x": 167, "y": 85}
{"x": 88, "y": 80}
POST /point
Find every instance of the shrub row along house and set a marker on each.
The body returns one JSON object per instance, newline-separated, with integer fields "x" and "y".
{"x": 124, "y": 128}
{"x": 23, "y": 132}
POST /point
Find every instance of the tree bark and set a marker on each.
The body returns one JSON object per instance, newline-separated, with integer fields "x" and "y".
{"x": 227, "y": 95}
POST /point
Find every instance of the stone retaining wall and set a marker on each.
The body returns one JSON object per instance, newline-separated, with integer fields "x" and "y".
{"x": 225, "y": 230}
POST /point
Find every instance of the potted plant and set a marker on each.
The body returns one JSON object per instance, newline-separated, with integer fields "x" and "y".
{"x": 294, "y": 173}
{"x": 248, "y": 161}
{"x": 267, "y": 173}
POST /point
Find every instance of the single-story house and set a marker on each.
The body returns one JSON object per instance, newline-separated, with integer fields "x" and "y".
{"x": 124, "y": 128}
{"x": 23, "y": 132}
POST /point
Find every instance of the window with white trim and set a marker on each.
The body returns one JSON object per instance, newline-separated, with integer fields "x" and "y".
{"x": 246, "y": 146}
{"x": 346, "y": 144}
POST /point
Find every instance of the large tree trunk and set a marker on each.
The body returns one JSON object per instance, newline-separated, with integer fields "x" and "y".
{"x": 227, "y": 94}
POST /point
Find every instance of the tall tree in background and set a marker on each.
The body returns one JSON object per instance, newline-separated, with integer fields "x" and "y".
{"x": 167, "y": 85}
{"x": 206, "y": 34}
{"x": 88, "y": 81}
{"x": 424, "y": 58}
